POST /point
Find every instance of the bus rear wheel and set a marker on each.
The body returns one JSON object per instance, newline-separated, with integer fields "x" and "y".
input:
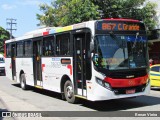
{"x": 23, "y": 82}
{"x": 69, "y": 92}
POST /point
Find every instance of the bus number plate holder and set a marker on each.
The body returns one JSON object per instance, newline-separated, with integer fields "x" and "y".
{"x": 130, "y": 91}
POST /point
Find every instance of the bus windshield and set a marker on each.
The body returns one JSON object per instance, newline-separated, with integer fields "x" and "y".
{"x": 114, "y": 52}
{"x": 1, "y": 60}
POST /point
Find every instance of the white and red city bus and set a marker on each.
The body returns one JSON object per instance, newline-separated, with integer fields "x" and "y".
{"x": 95, "y": 60}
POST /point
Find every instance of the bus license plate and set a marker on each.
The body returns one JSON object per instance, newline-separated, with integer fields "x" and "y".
{"x": 130, "y": 91}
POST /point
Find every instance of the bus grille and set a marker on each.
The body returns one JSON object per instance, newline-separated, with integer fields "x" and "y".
{"x": 119, "y": 91}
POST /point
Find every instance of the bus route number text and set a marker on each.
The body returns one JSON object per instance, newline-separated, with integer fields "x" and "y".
{"x": 120, "y": 27}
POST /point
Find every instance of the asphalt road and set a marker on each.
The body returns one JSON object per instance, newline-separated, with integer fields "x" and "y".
{"x": 51, "y": 101}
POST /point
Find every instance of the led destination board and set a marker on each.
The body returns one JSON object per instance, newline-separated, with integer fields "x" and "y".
{"x": 119, "y": 26}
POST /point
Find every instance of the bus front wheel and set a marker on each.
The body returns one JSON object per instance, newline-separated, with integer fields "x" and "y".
{"x": 69, "y": 92}
{"x": 23, "y": 82}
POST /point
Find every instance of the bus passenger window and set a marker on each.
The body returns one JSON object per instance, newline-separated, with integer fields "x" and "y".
{"x": 48, "y": 46}
{"x": 28, "y": 48}
{"x": 63, "y": 44}
{"x": 19, "y": 49}
{"x": 8, "y": 50}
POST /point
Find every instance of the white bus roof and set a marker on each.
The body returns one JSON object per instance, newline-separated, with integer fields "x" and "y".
{"x": 51, "y": 30}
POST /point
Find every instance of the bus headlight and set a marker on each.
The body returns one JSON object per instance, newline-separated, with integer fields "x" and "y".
{"x": 103, "y": 83}
{"x": 106, "y": 85}
{"x": 99, "y": 81}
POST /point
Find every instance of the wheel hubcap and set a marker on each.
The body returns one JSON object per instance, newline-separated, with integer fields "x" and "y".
{"x": 69, "y": 91}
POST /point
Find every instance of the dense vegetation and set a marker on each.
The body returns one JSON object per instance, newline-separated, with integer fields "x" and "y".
{"x": 4, "y": 35}
{"x": 67, "y": 12}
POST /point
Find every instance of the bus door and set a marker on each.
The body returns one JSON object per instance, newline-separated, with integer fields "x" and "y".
{"x": 13, "y": 60}
{"x": 82, "y": 68}
{"x": 37, "y": 70}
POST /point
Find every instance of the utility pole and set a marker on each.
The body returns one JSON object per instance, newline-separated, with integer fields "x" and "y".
{"x": 11, "y": 22}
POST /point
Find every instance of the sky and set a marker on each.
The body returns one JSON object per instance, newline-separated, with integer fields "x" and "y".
{"x": 24, "y": 11}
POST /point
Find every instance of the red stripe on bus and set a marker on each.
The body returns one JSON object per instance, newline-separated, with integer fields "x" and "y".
{"x": 43, "y": 65}
{"x": 45, "y": 33}
{"x": 70, "y": 67}
{"x": 4, "y": 49}
{"x": 121, "y": 19}
{"x": 127, "y": 82}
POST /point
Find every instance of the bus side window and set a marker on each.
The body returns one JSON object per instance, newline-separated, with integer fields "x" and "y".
{"x": 8, "y": 50}
{"x": 63, "y": 44}
{"x": 28, "y": 48}
{"x": 19, "y": 49}
{"x": 48, "y": 46}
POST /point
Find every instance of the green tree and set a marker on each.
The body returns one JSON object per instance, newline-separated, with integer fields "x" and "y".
{"x": 118, "y": 8}
{"x": 148, "y": 15}
{"x": 48, "y": 18}
{"x": 66, "y": 12}
{"x": 4, "y": 35}
{"x": 76, "y": 11}
{"x": 135, "y": 9}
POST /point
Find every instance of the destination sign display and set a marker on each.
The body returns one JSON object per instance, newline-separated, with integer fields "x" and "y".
{"x": 119, "y": 26}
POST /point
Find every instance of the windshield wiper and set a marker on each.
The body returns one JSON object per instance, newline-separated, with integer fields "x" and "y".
{"x": 135, "y": 41}
{"x": 121, "y": 45}
{"x": 114, "y": 37}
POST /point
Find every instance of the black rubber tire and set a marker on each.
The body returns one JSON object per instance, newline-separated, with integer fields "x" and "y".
{"x": 23, "y": 82}
{"x": 72, "y": 98}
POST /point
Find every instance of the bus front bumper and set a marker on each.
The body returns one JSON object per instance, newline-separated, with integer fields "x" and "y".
{"x": 100, "y": 93}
